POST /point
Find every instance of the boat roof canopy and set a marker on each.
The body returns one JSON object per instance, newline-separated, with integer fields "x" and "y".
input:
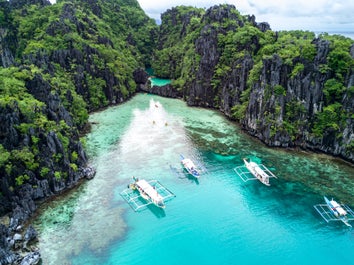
{"x": 187, "y": 162}
{"x": 337, "y": 207}
{"x": 149, "y": 190}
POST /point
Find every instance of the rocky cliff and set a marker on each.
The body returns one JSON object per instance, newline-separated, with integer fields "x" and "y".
{"x": 61, "y": 61}
{"x": 286, "y": 88}
{"x": 58, "y": 62}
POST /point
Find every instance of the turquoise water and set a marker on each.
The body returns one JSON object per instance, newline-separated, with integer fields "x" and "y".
{"x": 159, "y": 81}
{"x": 155, "y": 81}
{"x": 217, "y": 220}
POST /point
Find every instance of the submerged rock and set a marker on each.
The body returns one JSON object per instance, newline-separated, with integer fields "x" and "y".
{"x": 7, "y": 257}
{"x": 32, "y": 258}
{"x": 31, "y": 234}
{"x": 12, "y": 242}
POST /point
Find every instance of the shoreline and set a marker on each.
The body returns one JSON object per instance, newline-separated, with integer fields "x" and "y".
{"x": 5, "y": 220}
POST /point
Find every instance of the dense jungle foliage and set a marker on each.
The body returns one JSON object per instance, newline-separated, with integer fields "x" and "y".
{"x": 66, "y": 60}
{"x": 275, "y": 63}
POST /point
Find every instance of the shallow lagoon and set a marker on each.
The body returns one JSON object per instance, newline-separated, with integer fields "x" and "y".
{"x": 217, "y": 220}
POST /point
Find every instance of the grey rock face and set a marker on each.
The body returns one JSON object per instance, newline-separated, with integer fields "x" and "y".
{"x": 267, "y": 112}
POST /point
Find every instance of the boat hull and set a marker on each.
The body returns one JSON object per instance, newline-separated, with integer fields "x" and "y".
{"x": 189, "y": 166}
{"x": 337, "y": 210}
{"x": 148, "y": 193}
{"x": 257, "y": 172}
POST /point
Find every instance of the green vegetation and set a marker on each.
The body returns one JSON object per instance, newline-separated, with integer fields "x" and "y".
{"x": 4, "y": 156}
{"x": 174, "y": 54}
{"x": 21, "y": 179}
{"x": 299, "y": 67}
{"x": 330, "y": 119}
{"x": 289, "y": 54}
{"x": 279, "y": 90}
{"x": 78, "y": 56}
{"x": 239, "y": 110}
{"x": 73, "y": 57}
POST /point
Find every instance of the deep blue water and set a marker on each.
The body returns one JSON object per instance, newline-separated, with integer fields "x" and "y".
{"x": 217, "y": 220}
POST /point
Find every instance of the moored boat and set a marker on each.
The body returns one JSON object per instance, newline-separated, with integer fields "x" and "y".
{"x": 334, "y": 211}
{"x": 148, "y": 192}
{"x": 258, "y": 172}
{"x": 337, "y": 210}
{"x": 190, "y": 167}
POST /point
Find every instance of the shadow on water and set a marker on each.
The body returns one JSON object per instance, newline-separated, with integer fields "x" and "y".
{"x": 158, "y": 212}
{"x": 186, "y": 175}
{"x": 192, "y": 179}
{"x": 183, "y": 174}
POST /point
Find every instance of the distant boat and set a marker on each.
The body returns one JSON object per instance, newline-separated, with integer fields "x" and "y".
{"x": 190, "y": 167}
{"x": 260, "y": 172}
{"x": 333, "y": 211}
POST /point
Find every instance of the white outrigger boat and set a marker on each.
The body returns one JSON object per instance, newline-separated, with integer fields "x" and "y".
{"x": 152, "y": 192}
{"x": 333, "y": 211}
{"x": 190, "y": 167}
{"x": 251, "y": 171}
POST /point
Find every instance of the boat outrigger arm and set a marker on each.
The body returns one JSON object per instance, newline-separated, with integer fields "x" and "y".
{"x": 252, "y": 171}
{"x": 142, "y": 193}
{"x": 334, "y": 211}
